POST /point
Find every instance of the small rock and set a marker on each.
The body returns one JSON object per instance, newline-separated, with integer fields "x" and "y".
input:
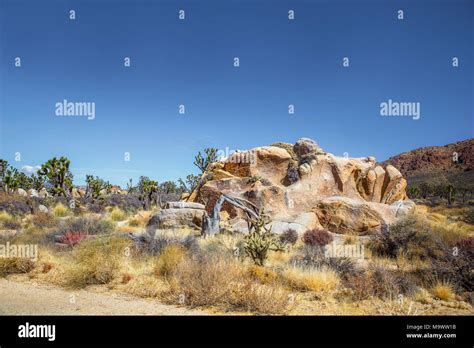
{"x": 22, "y": 192}
{"x": 42, "y": 209}
{"x": 32, "y": 193}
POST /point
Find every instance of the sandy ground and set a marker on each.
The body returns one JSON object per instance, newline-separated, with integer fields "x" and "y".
{"x": 20, "y": 298}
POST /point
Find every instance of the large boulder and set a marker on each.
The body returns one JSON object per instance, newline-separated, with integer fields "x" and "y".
{"x": 176, "y": 218}
{"x": 345, "y": 215}
{"x": 269, "y": 162}
{"x": 183, "y": 205}
{"x": 306, "y": 146}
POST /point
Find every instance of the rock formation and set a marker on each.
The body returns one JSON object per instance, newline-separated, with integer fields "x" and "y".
{"x": 303, "y": 187}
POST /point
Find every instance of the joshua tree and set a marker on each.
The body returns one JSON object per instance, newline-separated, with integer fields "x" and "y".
{"x": 450, "y": 192}
{"x": 190, "y": 183}
{"x": 203, "y": 162}
{"x": 56, "y": 171}
{"x": 147, "y": 191}
{"x": 95, "y": 186}
{"x": 425, "y": 189}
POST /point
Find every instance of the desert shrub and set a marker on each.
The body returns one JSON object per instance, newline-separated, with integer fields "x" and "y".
{"x": 12, "y": 265}
{"x": 96, "y": 207}
{"x": 14, "y": 204}
{"x": 169, "y": 259}
{"x": 60, "y": 210}
{"x": 317, "y": 237}
{"x": 290, "y": 236}
{"x": 311, "y": 279}
{"x": 4, "y": 216}
{"x": 411, "y": 236}
{"x": 256, "y": 178}
{"x": 217, "y": 280}
{"x": 380, "y": 282}
{"x": 262, "y": 274}
{"x": 309, "y": 256}
{"x": 96, "y": 261}
{"x": 87, "y": 225}
{"x": 117, "y": 214}
{"x": 288, "y": 147}
{"x": 143, "y": 286}
{"x": 71, "y": 239}
{"x": 11, "y": 224}
{"x": 259, "y": 298}
{"x": 443, "y": 290}
{"x": 41, "y": 219}
{"x": 308, "y": 158}
{"x": 468, "y": 216}
{"x": 151, "y": 244}
{"x": 135, "y": 222}
{"x": 456, "y": 265}
{"x": 202, "y": 280}
{"x": 128, "y": 202}
{"x": 292, "y": 174}
{"x": 227, "y": 244}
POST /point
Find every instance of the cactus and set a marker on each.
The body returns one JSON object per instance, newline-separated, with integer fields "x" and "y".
{"x": 261, "y": 240}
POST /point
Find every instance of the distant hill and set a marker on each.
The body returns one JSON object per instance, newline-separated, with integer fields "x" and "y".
{"x": 435, "y": 164}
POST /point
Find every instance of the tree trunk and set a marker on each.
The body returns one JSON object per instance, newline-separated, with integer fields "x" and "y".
{"x": 211, "y": 224}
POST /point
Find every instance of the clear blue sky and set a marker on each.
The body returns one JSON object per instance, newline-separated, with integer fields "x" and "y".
{"x": 190, "y": 62}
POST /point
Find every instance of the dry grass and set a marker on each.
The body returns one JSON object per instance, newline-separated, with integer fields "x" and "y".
{"x": 262, "y": 274}
{"x": 96, "y": 261}
{"x": 310, "y": 279}
{"x": 116, "y": 214}
{"x": 41, "y": 219}
{"x": 169, "y": 259}
{"x": 219, "y": 281}
{"x": 60, "y": 210}
{"x": 205, "y": 281}
{"x": 443, "y": 290}
{"x": 12, "y": 265}
{"x": 144, "y": 286}
{"x": 140, "y": 219}
{"x": 4, "y": 216}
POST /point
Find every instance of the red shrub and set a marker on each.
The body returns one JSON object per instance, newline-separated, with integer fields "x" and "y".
{"x": 317, "y": 237}
{"x": 71, "y": 239}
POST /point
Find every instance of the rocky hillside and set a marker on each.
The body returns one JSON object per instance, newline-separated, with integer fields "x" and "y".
{"x": 436, "y": 164}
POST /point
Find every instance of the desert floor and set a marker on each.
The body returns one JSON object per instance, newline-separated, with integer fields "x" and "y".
{"x": 30, "y": 298}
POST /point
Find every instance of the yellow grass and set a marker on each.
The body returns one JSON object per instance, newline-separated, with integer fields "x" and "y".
{"x": 4, "y": 216}
{"x": 169, "y": 259}
{"x": 262, "y": 274}
{"x": 117, "y": 214}
{"x": 60, "y": 210}
{"x": 443, "y": 291}
{"x": 311, "y": 279}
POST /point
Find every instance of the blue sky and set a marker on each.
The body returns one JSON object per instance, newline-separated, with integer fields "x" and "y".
{"x": 190, "y": 62}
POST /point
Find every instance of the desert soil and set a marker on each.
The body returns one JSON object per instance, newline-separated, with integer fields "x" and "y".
{"x": 27, "y": 298}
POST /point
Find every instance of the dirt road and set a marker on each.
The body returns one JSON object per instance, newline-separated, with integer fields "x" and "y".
{"x": 17, "y": 298}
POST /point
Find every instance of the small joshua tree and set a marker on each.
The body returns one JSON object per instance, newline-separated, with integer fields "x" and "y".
{"x": 203, "y": 162}
{"x": 147, "y": 191}
{"x": 190, "y": 183}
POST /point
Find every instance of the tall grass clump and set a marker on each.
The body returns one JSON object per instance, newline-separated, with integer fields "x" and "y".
{"x": 96, "y": 261}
